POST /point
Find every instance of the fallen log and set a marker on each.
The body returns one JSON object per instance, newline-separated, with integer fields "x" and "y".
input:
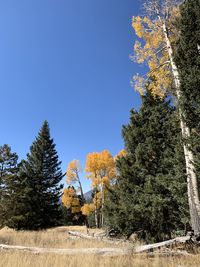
{"x": 113, "y": 252}
{"x": 98, "y": 237}
{"x": 71, "y": 252}
{"x": 78, "y": 234}
{"x": 184, "y": 243}
{"x": 176, "y": 242}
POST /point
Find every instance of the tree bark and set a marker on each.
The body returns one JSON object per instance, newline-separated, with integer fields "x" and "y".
{"x": 83, "y": 199}
{"x": 99, "y": 237}
{"x": 165, "y": 244}
{"x": 193, "y": 195}
{"x": 102, "y": 204}
{"x": 96, "y": 213}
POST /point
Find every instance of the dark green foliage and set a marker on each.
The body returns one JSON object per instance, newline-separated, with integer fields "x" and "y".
{"x": 40, "y": 188}
{"x": 150, "y": 195}
{"x": 8, "y": 170}
{"x": 16, "y": 201}
{"x": 67, "y": 217}
{"x": 187, "y": 57}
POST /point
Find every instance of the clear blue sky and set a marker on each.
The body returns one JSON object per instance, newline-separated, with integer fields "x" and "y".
{"x": 67, "y": 61}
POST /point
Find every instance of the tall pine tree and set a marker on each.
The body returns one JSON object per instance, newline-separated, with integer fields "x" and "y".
{"x": 150, "y": 195}
{"x": 8, "y": 170}
{"x": 43, "y": 189}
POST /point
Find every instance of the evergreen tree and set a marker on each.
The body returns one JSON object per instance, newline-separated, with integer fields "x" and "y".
{"x": 187, "y": 57}
{"x": 42, "y": 174}
{"x": 150, "y": 195}
{"x": 188, "y": 60}
{"x": 8, "y": 169}
{"x": 16, "y": 201}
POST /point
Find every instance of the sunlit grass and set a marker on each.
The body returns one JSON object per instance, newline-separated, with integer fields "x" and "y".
{"x": 21, "y": 259}
{"x": 58, "y": 238}
{"x": 52, "y": 238}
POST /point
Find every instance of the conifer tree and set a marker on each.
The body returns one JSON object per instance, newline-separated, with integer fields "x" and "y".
{"x": 150, "y": 195}
{"x": 43, "y": 177}
{"x": 8, "y": 169}
{"x": 159, "y": 35}
{"x": 16, "y": 200}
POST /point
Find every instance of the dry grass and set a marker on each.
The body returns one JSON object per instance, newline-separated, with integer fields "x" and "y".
{"x": 17, "y": 259}
{"x": 52, "y": 238}
{"x": 58, "y": 238}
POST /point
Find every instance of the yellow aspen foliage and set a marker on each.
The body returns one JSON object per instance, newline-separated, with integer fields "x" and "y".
{"x": 106, "y": 181}
{"x": 67, "y": 197}
{"x": 96, "y": 182}
{"x": 87, "y": 209}
{"x": 76, "y": 206}
{"x": 152, "y": 51}
{"x": 92, "y": 164}
{"x": 101, "y": 170}
{"x": 70, "y": 200}
{"x": 73, "y": 169}
{"x": 121, "y": 154}
{"x": 97, "y": 200}
{"x": 100, "y": 165}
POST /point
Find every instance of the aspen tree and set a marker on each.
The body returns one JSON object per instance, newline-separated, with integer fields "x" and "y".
{"x": 101, "y": 169}
{"x": 158, "y": 33}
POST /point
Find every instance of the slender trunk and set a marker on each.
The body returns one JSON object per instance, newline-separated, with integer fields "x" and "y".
{"x": 102, "y": 217}
{"x": 83, "y": 198}
{"x": 102, "y": 205}
{"x": 96, "y": 218}
{"x": 96, "y": 214}
{"x": 82, "y": 195}
{"x": 193, "y": 195}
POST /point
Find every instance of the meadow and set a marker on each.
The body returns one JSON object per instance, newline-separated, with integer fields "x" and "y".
{"x": 58, "y": 238}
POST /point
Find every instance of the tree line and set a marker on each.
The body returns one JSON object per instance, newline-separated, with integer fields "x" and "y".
{"x": 155, "y": 190}
{"x": 151, "y": 186}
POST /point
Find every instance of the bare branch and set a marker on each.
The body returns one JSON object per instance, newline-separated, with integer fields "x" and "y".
{"x": 198, "y": 47}
{"x": 160, "y": 66}
{"x": 161, "y": 49}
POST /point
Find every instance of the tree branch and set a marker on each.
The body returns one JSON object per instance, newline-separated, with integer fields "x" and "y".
{"x": 160, "y": 66}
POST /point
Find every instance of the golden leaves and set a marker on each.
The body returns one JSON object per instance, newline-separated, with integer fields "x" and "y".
{"x": 68, "y": 196}
{"x": 106, "y": 180}
{"x": 70, "y": 200}
{"x": 97, "y": 200}
{"x": 152, "y": 51}
{"x": 92, "y": 163}
{"x": 87, "y": 209}
{"x": 101, "y": 167}
{"x": 74, "y": 167}
{"x": 121, "y": 154}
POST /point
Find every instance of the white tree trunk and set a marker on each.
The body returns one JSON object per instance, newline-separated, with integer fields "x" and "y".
{"x": 102, "y": 202}
{"x": 193, "y": 195}
{"x": 198, "y": 48}
{"x": 83, "y": 198}
{"x": 96, "y": 213}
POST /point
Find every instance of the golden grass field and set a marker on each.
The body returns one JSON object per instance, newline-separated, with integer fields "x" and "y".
{"x": 52, "y": 238}
{"x": 58, "y": 238}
